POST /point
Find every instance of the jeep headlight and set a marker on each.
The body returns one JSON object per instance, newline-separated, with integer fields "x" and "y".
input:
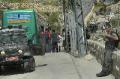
{"x": 20, "y": 51}
{"x": 2, "y": 52}
{"x": 0, "y": 27}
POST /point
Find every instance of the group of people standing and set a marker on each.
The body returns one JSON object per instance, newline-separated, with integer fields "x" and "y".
{"x": 49, "y": 40}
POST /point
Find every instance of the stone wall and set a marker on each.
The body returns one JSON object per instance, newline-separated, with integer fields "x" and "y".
{"x": 97, "y": 49}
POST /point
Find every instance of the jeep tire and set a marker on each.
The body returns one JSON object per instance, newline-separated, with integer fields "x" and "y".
{"x": 0, "y": 69}
{"x": 29, "y": 65}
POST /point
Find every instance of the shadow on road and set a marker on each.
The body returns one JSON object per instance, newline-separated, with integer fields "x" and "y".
{"x": 11, "y": 71}
{"x": 41, "y": 65}
{"x": 16, "y": 70}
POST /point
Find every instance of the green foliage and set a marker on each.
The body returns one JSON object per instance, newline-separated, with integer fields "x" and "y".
{"x": 98, "y": 6}
{"x": 14, "y": 1}
{"x": 52, "y": 17}
{"x": 115, "y": 22}
{"x": 51, "y": 2}
{"x": 52, "y": 20}
{"x": 116, "y": 1}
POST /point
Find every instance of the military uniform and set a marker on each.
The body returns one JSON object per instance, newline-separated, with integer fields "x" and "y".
{"x": 109, "y": 48}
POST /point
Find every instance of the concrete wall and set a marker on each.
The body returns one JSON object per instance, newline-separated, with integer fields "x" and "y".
{"x": 97, "y": 49}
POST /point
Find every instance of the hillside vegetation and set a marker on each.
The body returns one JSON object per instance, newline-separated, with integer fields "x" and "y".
{"x": 49, "y": 9}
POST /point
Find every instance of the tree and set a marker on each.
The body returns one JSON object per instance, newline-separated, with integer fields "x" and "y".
{"x": 15, "y": 1}
{"x": 116, "y": 1}
{"x": 53, "y": 21}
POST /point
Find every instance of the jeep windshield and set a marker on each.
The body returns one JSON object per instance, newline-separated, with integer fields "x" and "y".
{"x": 13, "y": 39}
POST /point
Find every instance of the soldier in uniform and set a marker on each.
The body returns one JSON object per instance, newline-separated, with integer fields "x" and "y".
{"x": 110, "y": 39}
{"x": 54, "y": 41}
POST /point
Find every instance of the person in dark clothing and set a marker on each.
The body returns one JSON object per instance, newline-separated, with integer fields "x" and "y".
{"x": 54, "y": 41}
{"x": 47, "y": 40}
{"x": 110, "y": 38}
{"x": 42, "y": 39}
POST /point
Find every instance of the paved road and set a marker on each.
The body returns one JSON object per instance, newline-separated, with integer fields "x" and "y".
{"x": 59, "y": 66}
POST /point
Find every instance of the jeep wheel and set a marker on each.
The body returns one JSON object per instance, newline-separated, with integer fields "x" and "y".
{"x": 0, "y": 70}
{"x": 32, "y": 64}
{"x": 29, "y": 65}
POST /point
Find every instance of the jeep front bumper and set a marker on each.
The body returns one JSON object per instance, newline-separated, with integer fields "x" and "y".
{"x": 7, "y": 61}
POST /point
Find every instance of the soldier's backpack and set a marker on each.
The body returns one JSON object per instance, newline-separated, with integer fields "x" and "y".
{"x": 118, "y": 35}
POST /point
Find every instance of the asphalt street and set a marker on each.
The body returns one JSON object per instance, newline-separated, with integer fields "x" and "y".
{"x": 59, "y": 66}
